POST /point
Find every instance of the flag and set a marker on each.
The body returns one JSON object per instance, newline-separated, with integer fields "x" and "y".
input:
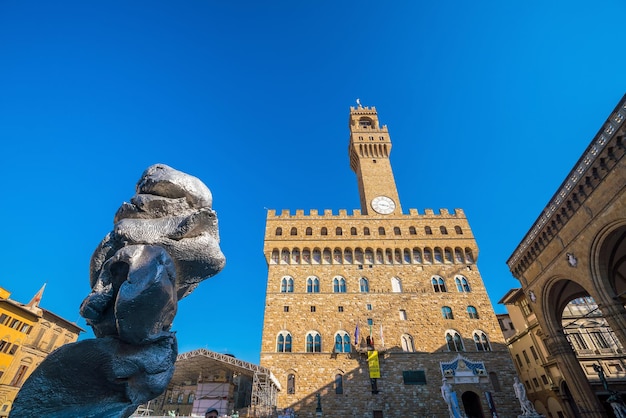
{"x": 382, "y": 339}
{"x": 356, "y": 334}
{"x": 34, "y": 302}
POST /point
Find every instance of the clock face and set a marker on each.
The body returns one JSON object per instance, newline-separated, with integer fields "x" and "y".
{"x": 383, "y": 205}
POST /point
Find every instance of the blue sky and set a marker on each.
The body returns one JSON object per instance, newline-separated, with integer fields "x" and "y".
{"x": 489, "y": 105}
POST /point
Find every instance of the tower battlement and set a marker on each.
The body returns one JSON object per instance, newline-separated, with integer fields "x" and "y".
{"x": 356, "y": 213}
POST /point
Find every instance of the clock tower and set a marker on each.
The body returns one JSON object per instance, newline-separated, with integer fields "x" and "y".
{"x": 369, "y": 150}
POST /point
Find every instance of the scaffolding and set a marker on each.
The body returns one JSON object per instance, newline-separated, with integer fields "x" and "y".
{"x": 264, "y": 385}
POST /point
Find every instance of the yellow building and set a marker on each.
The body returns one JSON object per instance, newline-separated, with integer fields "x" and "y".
{"x": 28, "y": 333}
{"x": 368, "y": 312}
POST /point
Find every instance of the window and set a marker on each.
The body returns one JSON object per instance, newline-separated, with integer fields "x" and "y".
{"x": 313, "y": 342}
{"x": 279, "y": 231}
{"x": 339, "y": 285}
{"x": 291, "y": 384}
{"x": 338, "y": 384}
{"x": 338, "y": 231}
{"x": 412, "y": 230}
{"x": 396, "y": 230}
{"x": 366, "y": 231}
{"x": 283, "y": 342}
{"x": 599, "y": 339}
{"x": 438, "y": 256}
{"x": 414, "y": 377}
{"x": 402, "y": 315}
{"x": 312, "y": 285}
{"x": 15, "y": 324}
{"x": 285, "y": 308}
{"x": 342, "y": 342}
{"x": 190, "y": 398}
{"x": 364, "y": 286}
{"x": 526, "y": 356}
{"x": 396, "y": 285}
{"x": 458, "y": 255}
{"x": 4, "y": 345}
{"x": 309, "y": 231}
{"x": 481, "y": 341}
{"x": 461, "y": 284}
{"x": 472, "y": 312}
{"x": 407, "y": 343}
{"x": 427, "y": 230}
{"x": 381, "y": 231}
{"x": 428, "y": 256}
{"x": 324, "y": 231}
{"x": 312, "y": 308}
{"x": 519, "y": 361}
{"x": 337, "y": 256}
{"x": 294, "y": 231}
{"x": 447, "y": 253}
{"x": 446, "y": 311}
{"x": 13, "y": 349}
{"x": 454, "y": 341}
{"x": 439, "y": 285}
{"x": 339, "y": 308}
{"x": 525, "y": 307}
{"x": 443, "y": 230}
{"x": 458, "y": 230}
{"x": 368, "y": 306}
{"x": 286, "y": 285}
{"x": 180, "y": 398}
{"x": 370, "y": 321}
{"x": 534, "y": 352}
{"x": 19, "y": 376}
{"x": 3, "y": 319}
{"x": 353, "y": 231}
{"x": 577, "y": 341}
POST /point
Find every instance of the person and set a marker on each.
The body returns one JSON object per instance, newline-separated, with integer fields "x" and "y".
{"x": 211, "y": 413}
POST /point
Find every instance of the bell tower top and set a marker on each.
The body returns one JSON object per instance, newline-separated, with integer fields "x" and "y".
{"x": 369, "y": 150}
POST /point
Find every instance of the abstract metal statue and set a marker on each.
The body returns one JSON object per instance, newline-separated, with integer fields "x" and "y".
{"x": 163, "y": 244}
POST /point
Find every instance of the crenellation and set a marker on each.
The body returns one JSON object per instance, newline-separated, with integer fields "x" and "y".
{"x": 444, "y": 213}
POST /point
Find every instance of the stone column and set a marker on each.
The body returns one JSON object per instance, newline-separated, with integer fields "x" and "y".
{"x": 583, "y": 396}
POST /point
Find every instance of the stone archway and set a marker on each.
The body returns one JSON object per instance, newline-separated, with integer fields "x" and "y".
{"x": 471, "y": 405}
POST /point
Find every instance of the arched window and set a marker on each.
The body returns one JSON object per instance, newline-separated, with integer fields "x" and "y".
{"x": 446, "y": 311}
{"x": 396, "y": 230}
{"x": 286, "y": 285}
{"x": 313, "y": 342}
{"x": 353, "y": 231}
{"x": 379, "y": 256}
{"x": 180, "y": 397}
{"x": 406, "y": 256}
{"x": 317, "y": 256}
{"x": 312, "y": 285}
{"x": 439, "y": 285}
{"x": 283, "y": 342}
{"x": 427, "y": 230}
{"x": 396, "y": 285}
{"x": 438, "y": 256}
{"x": 309, "y": 231}
{"x": 381, "y": 230}
{"x": 324, "y": 231}
{"x": 481, "y": 341}
{"x": 295, "y": 256}
{"x": 294, "y": 231}
{"x": 458, "y": 255}
{"x": 454, "y": 341}
{"x": 358, "y": 255}
{"x": 407, "y": 343}
{"x": 447, "y": 253}
{"x": 417, "y": 255}
{"x": 291, "y": 384}
{"x": 338, "y": 384}
{"x": 444, "y": 230}
{"x": 369, "y": 256}
{"x": 364, "y": 286}
{"x": 279, "y": 231}
{"x": 402, "y": 314}
{"x": 339, "y": 285}
{"x": 275, "y": 256}
{"x": 337, "y": 256}
{"x": 347, "y": 255}
{"x": 306, "y": 256}
{"x": 472, "y": 312}
{"x": 191, "y": 398}
{"x": 461, "y": 284}
{"x": 342, "y": 342}
{"x": 458, "y": 230}
{"x": 326, "y": 256}
{"x": 412, "y": 230}
{"x": 428, "y": 256}
{"x": 366, "y": 231}
{"x": 397, "y": 256}
{"x": 338, "y": 231}
{"x": 284, "y": 256}
{"x": 469, "y": 257}
{"x": 388, "y": 256}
